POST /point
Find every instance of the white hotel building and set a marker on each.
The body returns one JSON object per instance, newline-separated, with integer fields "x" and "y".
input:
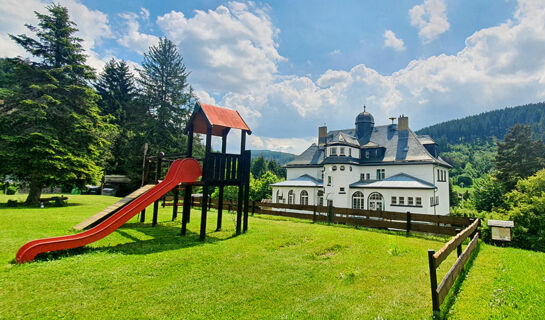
{"x": 372, "y": 167}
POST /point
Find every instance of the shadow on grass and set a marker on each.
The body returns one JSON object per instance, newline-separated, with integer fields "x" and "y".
{"x": 451, "y": 297}
{"x": 163, "y": 238}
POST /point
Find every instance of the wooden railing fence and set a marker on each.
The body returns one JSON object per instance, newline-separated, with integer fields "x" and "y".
{"x": 439, "y": 293}
{"x": 406, "y": 221}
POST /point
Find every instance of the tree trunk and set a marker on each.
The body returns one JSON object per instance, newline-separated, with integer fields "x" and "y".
{"x": 34, "y": 193}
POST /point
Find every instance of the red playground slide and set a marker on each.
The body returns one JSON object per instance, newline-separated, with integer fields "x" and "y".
{"x": 181, "y": 171}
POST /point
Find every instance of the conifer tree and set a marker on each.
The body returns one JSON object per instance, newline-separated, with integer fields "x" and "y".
{"x": 167, "y": 95}
{"x": 50, "y": 129}
{"x": 519, "y": 156}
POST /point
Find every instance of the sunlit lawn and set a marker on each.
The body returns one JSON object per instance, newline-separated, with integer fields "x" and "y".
{"x": 280, "y": 269}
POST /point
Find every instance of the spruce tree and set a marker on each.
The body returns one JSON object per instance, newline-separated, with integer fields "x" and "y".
{"x": 120, "y": 102}
{"x": 519, "y": 156}
{"x": 167, "y": 94}
{"x": 50, "y": 129}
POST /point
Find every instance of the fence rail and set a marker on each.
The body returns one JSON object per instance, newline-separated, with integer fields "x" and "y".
{"x": 408, "y": 222}
{"x": 439, "y": 293}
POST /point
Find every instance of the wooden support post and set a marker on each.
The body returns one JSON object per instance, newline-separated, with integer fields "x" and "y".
{"x": 459, "y": 247}
{"x": 239, "y": 208}
{"x": 207, "y": 170}
{"x": 220, "y": 209}
{"x": 143, "y": 216}
{"x": 247, "y": 158}
{"x": 314, "y": 214}
{"x": 188, "y": 203}
{"x": 329, "y": 213}
{"x": 408, "y": 223}
{"x": 433, "y": 282}
{"x": 155, "y": 213}
{"x": 204, "y": 212}
{"x": 175, "y": 205}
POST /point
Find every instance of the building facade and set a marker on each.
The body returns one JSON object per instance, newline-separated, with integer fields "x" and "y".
{"x": 372, "y": 167}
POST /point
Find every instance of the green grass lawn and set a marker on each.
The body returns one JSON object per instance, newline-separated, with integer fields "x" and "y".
{"x": 281, "y": 269}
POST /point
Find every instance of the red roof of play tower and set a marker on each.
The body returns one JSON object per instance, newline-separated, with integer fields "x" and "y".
{"x": 219, "y": 118}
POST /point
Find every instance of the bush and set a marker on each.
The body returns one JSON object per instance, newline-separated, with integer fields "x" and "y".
{"x": 465, "y": 179}
{"x": 12, "y": 189}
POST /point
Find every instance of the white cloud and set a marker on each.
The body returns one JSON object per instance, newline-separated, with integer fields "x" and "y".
{"x": 392, "y": 41}
{"x": 430, "y": 18}
{"x": 204, "y": 97}
{"x": 499, "y": 66}
{"x": 335, "y": 52}
{"x": 93, "y": 26}
{"x": 132, "y": 38}
{"x": 231, "y": 48}
{"x": 290, "y": 145}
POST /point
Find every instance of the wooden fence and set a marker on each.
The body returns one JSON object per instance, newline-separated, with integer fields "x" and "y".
{"x": 439, "y": 293}
{"x": 405, "y": 221}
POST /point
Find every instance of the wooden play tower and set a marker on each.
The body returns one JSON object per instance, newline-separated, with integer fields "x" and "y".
{"x": 219, "y": 169}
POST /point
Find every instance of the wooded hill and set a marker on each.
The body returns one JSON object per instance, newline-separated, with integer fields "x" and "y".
{"x": 488, "y": 126}
{"x": 281, "y": 157}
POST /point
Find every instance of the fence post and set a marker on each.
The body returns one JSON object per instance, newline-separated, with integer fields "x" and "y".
{"x": 253, "y": 207}
{"x": 329, "y": 213}
{"x": 433, "y": 281}
{"x": 408, "y": 223}
{"x": 459, "y": 247}
{"x": 314, "y": 214}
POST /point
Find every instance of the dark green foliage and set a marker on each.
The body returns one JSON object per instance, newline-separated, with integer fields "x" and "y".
{"x": 453, "y": 195}
{"x": 121, "y": 102}
{"x": 167, "y": 95}
{"x": 280, "y": 157}
{"x": 261, "y": 188}
{"x": 51, "y": 131}
{"x": 519, "y": 156}
{"x": 488, "y": 194}
{"x": 487, "y": 126}
{"x": 260, "y": 166}
{"x": 464, "y": 180}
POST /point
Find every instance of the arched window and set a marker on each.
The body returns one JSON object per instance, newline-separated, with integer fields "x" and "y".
{"x": 291, "y": 197}
{"x": 304, "y": 198}
{"x": 376, "y": 201}
{"x": 278, "y": 196}
{"x": 320, "y": 198}
{"x": 357, "y": 200}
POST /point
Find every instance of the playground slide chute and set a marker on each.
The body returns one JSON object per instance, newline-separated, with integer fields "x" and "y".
{"x": 181, "y": 171}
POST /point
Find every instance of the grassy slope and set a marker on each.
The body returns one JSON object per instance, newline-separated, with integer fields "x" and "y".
{"x": 279, "y": 270}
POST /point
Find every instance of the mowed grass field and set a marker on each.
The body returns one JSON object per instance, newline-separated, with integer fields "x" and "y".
{"x": 281, "y": 269}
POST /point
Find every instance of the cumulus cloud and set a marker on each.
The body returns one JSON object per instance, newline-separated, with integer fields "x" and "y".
{"x": 231, "y": 48}
{"x": 499, "y": 66}
{"x": 430, "y": 18}
{"x": 132, "y": 38}
{"x": 93, "y": 26}
{"x": 392, "y": 41}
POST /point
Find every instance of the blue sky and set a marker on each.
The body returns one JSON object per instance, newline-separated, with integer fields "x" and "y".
{"x": 290, "y": 66}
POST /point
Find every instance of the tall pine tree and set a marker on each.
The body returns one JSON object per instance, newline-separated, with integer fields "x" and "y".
{"x": 519, "y": 156}
{"x": 167, "y": 94}
{"x": 51, "y": 131}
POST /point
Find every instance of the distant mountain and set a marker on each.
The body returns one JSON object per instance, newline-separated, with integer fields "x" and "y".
{"x": 280, "y": 157}
{"x": 487, "y": 126}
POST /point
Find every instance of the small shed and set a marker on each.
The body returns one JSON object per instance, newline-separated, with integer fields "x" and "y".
{"x": 501, "y": 229}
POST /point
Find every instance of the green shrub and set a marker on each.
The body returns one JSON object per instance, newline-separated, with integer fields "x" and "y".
{"x": 12, "y": 189}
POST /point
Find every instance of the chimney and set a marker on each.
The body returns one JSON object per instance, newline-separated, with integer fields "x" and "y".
{"x": 322, "y": 135}
{"x": 403, "y": 123}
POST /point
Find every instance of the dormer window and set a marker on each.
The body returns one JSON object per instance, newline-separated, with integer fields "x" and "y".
{"x": 367, "y": 154}
{"x": 341, "y": 149}
{"x": 333, "y": 151}
{"x": 349, "y": 152}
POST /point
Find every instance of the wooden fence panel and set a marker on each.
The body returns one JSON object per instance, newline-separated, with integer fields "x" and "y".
{"x": 442, "y": 254}
{"x": 455, "y": 270}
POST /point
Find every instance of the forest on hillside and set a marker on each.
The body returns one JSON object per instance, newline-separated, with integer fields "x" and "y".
{"x": 487, "y": 127}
